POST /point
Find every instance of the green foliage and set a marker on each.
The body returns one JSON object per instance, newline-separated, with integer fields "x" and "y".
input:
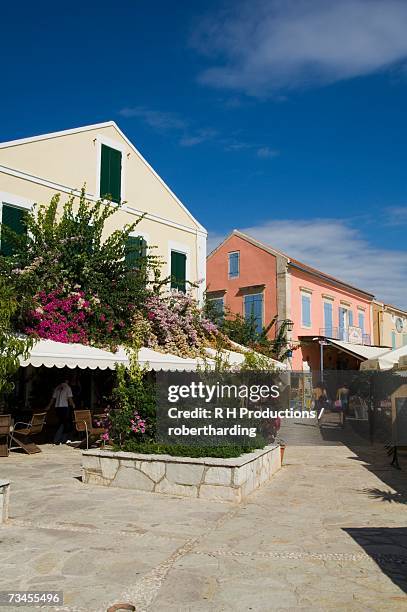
{"x": 11, "y": 346}
{"x": 254, "y": 360}
{"x": 239, "y": 329}
{"x": 276, "y": 348}
{"x": 184, "y": 450}
{"x": 243, "y": 331}
{"x": 134, "y": 399}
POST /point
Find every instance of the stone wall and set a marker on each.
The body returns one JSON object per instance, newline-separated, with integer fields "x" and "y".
{"x": 208, "y": 478}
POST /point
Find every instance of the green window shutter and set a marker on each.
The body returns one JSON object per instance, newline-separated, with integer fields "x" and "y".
{"x": 136, "y": 247}
{"x": 178, "y": 270}
{"x": 110, "y": 173}
{"x": 13, "y": 219}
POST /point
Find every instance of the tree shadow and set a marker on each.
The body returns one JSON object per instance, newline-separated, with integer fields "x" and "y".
{"x": 375, "y": 459}
{"x": 387, "y": 547}
{"x": 387, "y": 496}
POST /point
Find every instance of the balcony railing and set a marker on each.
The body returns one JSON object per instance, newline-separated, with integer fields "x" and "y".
{"x": 355, "y": 335}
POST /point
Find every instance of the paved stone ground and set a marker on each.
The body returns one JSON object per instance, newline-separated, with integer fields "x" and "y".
{"x": 328, "y": 533}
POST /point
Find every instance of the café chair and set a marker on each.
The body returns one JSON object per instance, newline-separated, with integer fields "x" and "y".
{"x": 5, "y": 426}
{"x": 84, "y": 423}
{"x": 22, "y": 437}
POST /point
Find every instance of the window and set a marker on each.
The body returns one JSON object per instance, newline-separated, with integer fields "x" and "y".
{"x": 306, "y": 309}
{"x": 136, "y": 248}
{"x": 328, "y": 319}
{"x": 12, "y": 218}
{"x": 234, "y": 264}
{"x": 404, "y": 339}
{"x": 217, "y": 307}
{"x": 178, "y": 270}
{"x": 343, "y": 322}
{"x": 110, "y": 173}
{"x": 350, "y": 318}
{"x": 253, "y": 309}
{"x": 393, "y": 339}
{"x": 361, "y": 321}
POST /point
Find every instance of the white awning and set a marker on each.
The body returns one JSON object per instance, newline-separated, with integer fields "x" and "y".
{"x": 361, "y": 351}
{"x": 168, "y": 361}
{"x": 386, "y": 360}
{"x": 59, "y": 355}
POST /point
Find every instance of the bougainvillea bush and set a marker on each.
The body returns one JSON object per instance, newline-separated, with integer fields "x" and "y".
{"x": 68, "y": 258}
{"x": 175, "y": 324}
{"x": 66, "y": 315}
{"x": 60, "y": 317}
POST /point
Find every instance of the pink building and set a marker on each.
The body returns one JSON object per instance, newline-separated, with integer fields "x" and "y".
{"x": 251, "y": 278}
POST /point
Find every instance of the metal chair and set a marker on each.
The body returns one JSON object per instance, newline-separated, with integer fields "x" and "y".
{"x": 5, "y": 426}
{"x": 83, "y": 423}
{"x": 34, "y": 427}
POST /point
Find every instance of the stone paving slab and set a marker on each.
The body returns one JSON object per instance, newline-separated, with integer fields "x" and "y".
{"x": 327, "y": 533}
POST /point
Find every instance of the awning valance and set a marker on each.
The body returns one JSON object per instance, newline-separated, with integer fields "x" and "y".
{"x": 59, "y": 355}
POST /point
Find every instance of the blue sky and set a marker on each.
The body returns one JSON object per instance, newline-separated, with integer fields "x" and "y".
{"x": 284, "y": 119}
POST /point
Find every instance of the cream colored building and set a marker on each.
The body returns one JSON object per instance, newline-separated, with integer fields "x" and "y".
{"x": 389, "y": 325}
{"x": 102, "y": 158}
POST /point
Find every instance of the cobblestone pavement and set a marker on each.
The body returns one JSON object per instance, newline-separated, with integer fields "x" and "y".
{"x": 328, "y": 533}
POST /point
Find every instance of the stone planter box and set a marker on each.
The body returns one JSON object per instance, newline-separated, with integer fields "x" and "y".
{"x": 207, "y": 478}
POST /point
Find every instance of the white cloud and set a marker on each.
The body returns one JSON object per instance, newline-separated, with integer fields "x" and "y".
{"x": 163, "y": 122}
{"x": 195, "y": 138}
{"x": 264, "y": 46}
{"x": 236, "y": 145}
{"x": 188, "y": 133}
{"x": 158, "y": 120}
{"x": 267, "y": 153}
{"x": 337, "y": 249}
{"x": 396, "y": 215}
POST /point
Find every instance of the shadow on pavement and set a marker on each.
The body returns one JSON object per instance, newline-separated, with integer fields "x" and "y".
{"x": 387, "y": 496}
{"x": 387, "y": 547}
{"x": 376, "y": 460}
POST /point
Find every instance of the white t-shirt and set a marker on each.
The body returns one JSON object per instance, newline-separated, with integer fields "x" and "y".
{"x": 61, "y": 395}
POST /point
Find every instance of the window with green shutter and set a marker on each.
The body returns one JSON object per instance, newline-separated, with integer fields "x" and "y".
{"x": 13, "y": 219}
{"x": 110, "y": 173}
{"x": 136, "y": 248}
{"x": 178, "y": 270}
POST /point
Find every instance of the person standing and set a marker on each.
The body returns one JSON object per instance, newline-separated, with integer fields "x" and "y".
{"x": 342, "y": 401}
{"x": 320, "y": 399}
{"x": 62, "y": 398}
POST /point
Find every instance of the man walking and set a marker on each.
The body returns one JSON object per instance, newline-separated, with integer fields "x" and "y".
{"x": 62, "y": 397}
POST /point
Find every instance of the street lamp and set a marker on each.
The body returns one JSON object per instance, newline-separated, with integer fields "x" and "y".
{"x": 289, "y": 325}
{"x": 321, "y": 343}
